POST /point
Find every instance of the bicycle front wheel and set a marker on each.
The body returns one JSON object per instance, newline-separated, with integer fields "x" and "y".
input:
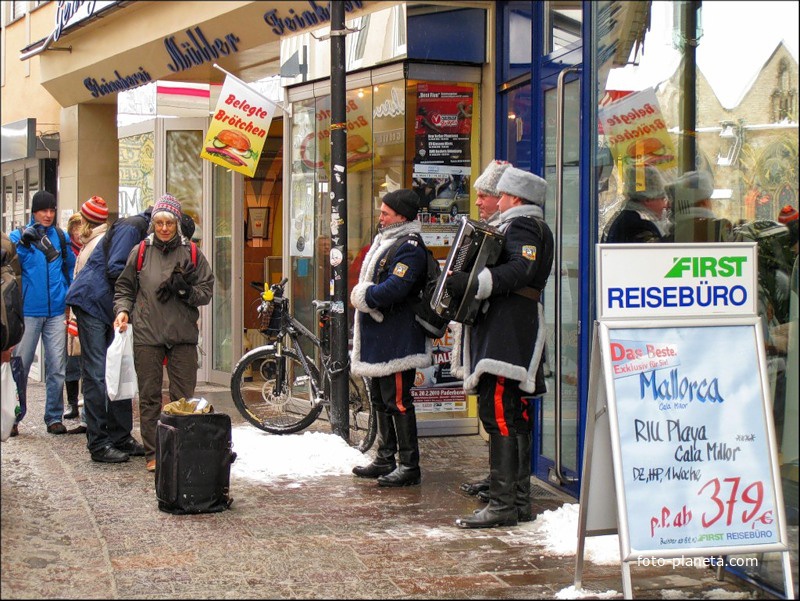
{"x": 273, "y": 406}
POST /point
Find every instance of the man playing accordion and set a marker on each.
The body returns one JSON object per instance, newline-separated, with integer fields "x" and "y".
{"x": 503, "y": 349}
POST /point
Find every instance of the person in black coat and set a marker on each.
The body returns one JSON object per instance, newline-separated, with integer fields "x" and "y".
{"x": 645, "y": 215}
{"x": 503, "y": 349}
{"x": 388, "y": 343}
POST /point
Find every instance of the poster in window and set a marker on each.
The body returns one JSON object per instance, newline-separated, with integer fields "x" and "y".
{"x": 258, "y": 222}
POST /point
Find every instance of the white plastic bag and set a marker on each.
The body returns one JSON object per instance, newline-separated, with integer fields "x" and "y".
{"x": 121, "y": 380}
{"x": 9, "y": 402}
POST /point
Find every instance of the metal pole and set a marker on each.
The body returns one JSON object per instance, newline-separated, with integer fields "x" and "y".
{"x": 340, "y": 363}
{"x": 688, "y": 87}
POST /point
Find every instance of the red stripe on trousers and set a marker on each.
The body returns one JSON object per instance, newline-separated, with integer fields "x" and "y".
{"x": 398, "y": 392}
{"x": 499, "y": 416}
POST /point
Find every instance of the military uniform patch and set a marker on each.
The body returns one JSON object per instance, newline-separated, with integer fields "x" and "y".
{"x": 400, "y": 270}
{"x": 529, "y": 252}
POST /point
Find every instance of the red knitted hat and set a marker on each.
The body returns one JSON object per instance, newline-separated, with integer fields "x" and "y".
{"x": 95, "y": 210}
{"x": 787, "y": 214}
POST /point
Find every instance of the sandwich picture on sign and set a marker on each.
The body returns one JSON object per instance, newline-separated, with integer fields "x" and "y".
{"x": 232, "y": 147}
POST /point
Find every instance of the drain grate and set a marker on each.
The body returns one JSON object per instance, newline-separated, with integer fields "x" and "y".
{"x": 539, "y": 492}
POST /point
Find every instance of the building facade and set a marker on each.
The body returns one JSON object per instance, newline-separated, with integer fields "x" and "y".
{"x": 436, "y": 90}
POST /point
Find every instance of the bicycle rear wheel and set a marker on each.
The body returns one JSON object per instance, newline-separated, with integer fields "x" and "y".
{"x": 256, "y": 398}
{"x": 363, "y": 426}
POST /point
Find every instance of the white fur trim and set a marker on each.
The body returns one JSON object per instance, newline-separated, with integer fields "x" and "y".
{"x": 525, "y": 377}
{"x": 485, "y": 284}
{"x": 456, "y": 367}
{"x": 375, "y": 370}
{"x": 359, "y": 299}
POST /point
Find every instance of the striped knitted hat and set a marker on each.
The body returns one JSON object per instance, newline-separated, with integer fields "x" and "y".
{"x": 95, "y": 210}
{"x": 168, "y": 204}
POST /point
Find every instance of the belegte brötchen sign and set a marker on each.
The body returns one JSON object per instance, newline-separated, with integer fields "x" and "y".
{"x": 238, "y": 128}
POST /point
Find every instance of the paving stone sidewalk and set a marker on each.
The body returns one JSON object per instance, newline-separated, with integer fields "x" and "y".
{"x": 76, "y": 529}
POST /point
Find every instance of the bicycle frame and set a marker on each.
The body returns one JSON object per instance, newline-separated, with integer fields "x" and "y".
{"x": 295, "y": 330}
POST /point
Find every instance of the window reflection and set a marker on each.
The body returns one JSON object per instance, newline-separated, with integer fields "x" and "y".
{"x": 739, "y": 137}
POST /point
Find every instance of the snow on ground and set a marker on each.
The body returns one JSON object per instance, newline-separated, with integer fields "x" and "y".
{"x": 266, "y": 457}
{"x": 572, "y": 593}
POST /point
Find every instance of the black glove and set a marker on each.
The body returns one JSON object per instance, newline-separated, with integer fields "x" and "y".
{"x": 164, "y": 291}
{"x": 30, "y": 235}
{"x": 456, "y": 284}
{"x": 189, "y": 272}
{"x": 179, "y": 285}
{"x": 50, "y": 252}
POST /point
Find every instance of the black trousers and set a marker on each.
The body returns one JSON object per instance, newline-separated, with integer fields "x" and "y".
{"x": 502, "y": 407}
{"x": 393, "y": 392}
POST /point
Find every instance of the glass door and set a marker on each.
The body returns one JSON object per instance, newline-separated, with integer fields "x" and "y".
{"x": 182, "y": 173}
{"x": 557, "y": 456}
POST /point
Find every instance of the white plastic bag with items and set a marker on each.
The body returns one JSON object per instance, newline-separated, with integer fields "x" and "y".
{"x": 121, "y": 380}
{"x": 9, "y": 402}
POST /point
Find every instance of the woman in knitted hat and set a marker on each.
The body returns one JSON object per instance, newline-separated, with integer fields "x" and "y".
{"x": 165, "y": 280}
{"x": 86, "y": 228}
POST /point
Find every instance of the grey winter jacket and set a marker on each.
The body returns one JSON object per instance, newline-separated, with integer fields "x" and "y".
{"x": 156, "y": 323}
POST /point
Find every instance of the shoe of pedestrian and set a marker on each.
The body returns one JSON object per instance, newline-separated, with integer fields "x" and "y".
{"x": 57, "y": 428}
{"x": 491, "y": 516}
{"x": 151, "y": 465}
{"x": 483, "y": 496}
{"x": 108, "y": 454}
{"x": 14, "y": 430}
{"x": 473, "y": 488}
{"x": 79, "y": 429}
{"x": 375, "y": 469}
{"x": 72, "y": 413}
{"x": 401, "y": 476}
{"x": 132, "y": 447}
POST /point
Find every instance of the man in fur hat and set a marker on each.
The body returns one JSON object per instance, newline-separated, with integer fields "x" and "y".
{"x": 388, "y": 343}
{"x": 487, "y": 200}
{"x": 645, "y": 215}
{"x": 503, "y": 349}
{"x": 695, "y": 220}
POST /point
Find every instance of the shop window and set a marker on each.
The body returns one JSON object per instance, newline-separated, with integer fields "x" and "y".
{"x": 136, "y": 173}
{"x": 739, "y": 128}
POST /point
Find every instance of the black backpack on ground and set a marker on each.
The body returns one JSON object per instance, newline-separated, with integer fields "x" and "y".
{"x": 433, "y": 324}
{"x": 11, "y": 315}
{"x": 193, "y": 462}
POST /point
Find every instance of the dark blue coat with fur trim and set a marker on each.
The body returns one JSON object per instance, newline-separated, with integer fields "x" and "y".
{"x": 386, "y": 338}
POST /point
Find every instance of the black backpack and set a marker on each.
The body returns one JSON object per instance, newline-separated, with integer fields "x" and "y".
{"x": 13, "y": 319}
{"x": 433, "y": 324}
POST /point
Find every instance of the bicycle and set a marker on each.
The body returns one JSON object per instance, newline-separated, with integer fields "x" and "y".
{"x": 287, "y": 389}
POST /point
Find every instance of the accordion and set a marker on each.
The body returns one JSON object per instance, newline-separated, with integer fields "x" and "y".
{"x": 476, "y": 246}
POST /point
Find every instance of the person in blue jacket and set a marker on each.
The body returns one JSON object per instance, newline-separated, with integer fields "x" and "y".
{"x": 47, "y": 267}
{"x": 388, "y": 343}
{"x": 109, "y": 424}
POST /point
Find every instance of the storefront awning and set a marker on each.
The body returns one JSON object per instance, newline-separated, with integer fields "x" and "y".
{"x": 141, "y": 42}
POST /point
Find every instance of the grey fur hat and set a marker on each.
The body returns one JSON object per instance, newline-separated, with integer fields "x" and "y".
{"x": 643, "y": 182}
{"x": 527, "y": 186}
{"x": 487, "y": 181}
{"x": 689, "y": 188}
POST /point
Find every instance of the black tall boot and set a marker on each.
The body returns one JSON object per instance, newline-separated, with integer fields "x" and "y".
{"x": 407, "y": 473}
{"x": 523, "y": 488}
{"x": 72, "y": 388}
{"x": 502, "y": 509}
{"x": 384, "y": 462}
